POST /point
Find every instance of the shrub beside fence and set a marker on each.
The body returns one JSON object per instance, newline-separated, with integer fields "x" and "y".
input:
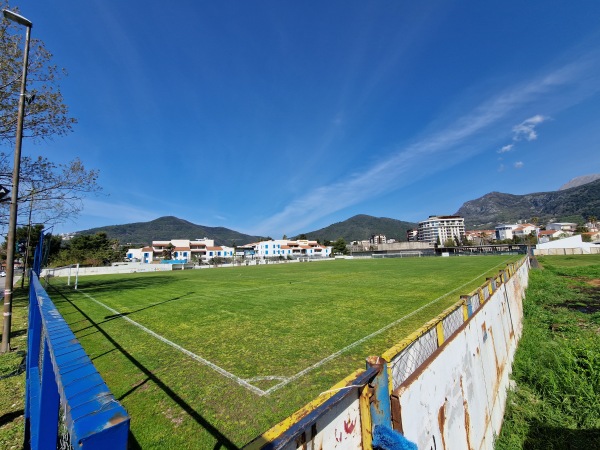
{"x": 445, "y": 385}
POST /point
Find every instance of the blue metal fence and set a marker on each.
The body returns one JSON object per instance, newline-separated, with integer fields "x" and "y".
{"x": 61, "y": 377}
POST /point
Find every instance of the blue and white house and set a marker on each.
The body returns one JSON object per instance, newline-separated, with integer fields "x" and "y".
{"x": 285, "y": 247}
{"x": 182, "y": 250}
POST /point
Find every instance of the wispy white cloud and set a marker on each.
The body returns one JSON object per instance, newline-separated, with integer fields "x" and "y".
{"x": 501, "y": 168}
{"x": 440, "y": 150}
{"x": 506, "y": 148}
{"x": 526, "y": 129}
{"x": 519, "y": 165}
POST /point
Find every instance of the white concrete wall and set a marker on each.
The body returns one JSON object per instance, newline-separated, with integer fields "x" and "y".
{"x": 124, "y": 268}
{"x": 567, "y": 251}
{"x": 142, "y": 267}
{"x": 456, "y": 398}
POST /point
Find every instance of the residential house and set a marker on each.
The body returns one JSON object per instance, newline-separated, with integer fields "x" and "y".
{"x": 524, "y": 230}
{"x": 479, "y": 237}
{"x": 568, "y": 228}
{"x": 505, "y": 231}
{"x": 184, "y": 250}
{"x": 547, "y": 235}
{"x": 285, "y": 248}
{"x": 518, "y": 230}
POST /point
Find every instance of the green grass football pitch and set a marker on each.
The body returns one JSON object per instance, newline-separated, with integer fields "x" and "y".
{"x": 214, "y": 357}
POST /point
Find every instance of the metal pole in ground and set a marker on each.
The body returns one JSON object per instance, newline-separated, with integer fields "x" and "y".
{"x": 12, "y": 224}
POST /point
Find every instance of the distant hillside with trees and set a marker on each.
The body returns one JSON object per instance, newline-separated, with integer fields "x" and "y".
{"x": 576, "y": 204}
{"x": 169, "y": 227}
{"x": 362, "y": 227}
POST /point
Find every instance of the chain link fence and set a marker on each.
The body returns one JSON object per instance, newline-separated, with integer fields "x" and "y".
{"x": 406, "y": 357}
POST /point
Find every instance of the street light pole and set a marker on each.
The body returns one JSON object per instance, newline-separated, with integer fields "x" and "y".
{"x": 12, "y": 224}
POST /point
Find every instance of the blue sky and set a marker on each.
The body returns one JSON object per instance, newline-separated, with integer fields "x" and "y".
{"x": 277, "y": 117}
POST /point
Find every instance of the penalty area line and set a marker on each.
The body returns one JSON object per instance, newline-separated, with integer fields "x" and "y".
{"x": 201, "y": 360}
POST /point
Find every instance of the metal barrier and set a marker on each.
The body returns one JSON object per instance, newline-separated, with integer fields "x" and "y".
{"x": 477, "y": 335}
{"x": 66, "y": 398}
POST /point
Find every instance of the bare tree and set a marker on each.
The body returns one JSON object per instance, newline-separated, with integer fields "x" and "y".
{"x": 51, "y": 192}
{"x": 46, "y": 115}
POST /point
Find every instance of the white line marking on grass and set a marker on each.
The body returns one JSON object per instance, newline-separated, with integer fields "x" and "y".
{"x": 201, "y": 360}
{"x": 267, "y": 378}
{"x": 285, "y": 380}
{"x": 360, "y": 341}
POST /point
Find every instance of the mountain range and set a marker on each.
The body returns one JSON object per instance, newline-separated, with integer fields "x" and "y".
{"x": 574, "y": 204}
{"x": 569, "y": 204}
{"x": 580, "y": 181}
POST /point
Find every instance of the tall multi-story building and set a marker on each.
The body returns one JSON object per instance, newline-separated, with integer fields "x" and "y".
{"x": 378, "y": 239}
{"x": 438, "y": 229}
{"x": 412, "y": 235}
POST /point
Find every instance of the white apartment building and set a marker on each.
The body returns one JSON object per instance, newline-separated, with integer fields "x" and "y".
{"x": 412, "y": 235}
{"x": 183, "y": 250}
{"x": 566, "y": 227}
{"x": 505, "y": 231}
{"x": 525, "y": 229}
{"x": 508, "y": 231}
{"x": 378, "y": 239}
{"x": 440, "y": 229}
{"x": 285, "y": 248}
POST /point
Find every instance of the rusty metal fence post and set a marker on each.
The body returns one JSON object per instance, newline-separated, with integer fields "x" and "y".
{"x": 380, "y": 399}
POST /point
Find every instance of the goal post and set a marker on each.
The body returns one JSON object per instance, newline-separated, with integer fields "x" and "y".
{"x": 71, "y": 270}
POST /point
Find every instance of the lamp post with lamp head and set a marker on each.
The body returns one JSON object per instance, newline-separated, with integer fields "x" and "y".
{"x": 12, "y": 224}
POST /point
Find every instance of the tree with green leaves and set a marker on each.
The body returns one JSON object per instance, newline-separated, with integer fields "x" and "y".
{"x": 449, "y": 242}
{"x": 27, "y": 239}
{"x": 90, "y": 250}
{"x": 167, "y": 253}
{"x": 339, "y": 247}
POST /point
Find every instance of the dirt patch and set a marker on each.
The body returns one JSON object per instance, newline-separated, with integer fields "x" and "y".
{"x": 595, "y": 282}
{"x": 589, "y": 299}
{"x": 587, "y": 307}
{"x": 588, "y": 303}
{"x": 174, "y": 416}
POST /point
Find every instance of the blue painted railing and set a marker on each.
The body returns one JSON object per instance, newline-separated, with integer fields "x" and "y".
{"x": 61, "y": 377}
